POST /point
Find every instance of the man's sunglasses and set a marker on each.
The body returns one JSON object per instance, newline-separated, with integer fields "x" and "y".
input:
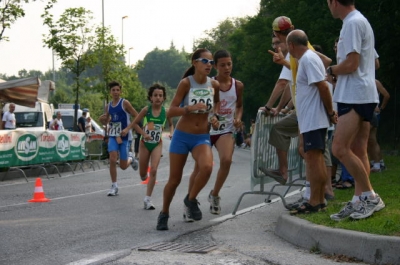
{"x": 205, "y": 61}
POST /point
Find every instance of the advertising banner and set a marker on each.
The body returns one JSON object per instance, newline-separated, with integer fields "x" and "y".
{"x": 23, "y": 148}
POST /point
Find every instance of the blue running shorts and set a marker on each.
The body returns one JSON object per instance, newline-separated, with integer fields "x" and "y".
{"x": 183, "y": 143}
{"x": 122, "y": 148}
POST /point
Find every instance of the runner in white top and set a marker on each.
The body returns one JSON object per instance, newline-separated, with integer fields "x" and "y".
{"x": 229, "y": 116}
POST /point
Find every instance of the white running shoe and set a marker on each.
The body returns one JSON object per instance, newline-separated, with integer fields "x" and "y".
{"x": 113, "y": 191}
{"x": 148, "y": 205}
{"x": 367, "y": 207}
{"x": 345, "y": 212}
{"x": 215, "y": 207}
{"x": 134, "y": 163}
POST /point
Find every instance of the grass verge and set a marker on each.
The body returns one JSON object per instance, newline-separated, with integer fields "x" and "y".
{"x": 384, "y": 222}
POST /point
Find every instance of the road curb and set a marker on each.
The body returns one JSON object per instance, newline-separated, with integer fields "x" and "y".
{"x": 369, "y": 248}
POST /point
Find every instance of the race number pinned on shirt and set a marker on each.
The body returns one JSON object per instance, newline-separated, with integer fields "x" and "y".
{"x": 155, "y": 132}
{"x": 222, "y": 122}
{"x": 201, "y": 95}
{"x": 115, "y": 129}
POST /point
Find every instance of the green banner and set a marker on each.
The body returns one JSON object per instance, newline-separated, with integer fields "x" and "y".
{"x": 23, "y": 148}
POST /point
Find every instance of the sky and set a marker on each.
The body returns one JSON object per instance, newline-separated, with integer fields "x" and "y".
{"x": 149, "y": 24}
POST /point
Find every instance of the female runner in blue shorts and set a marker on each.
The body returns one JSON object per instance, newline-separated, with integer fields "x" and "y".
{"x": 200, "y": 95}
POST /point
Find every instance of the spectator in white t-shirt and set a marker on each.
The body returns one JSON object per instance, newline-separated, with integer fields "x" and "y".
{"x": 9, "y": 121}
{"x": 88, "y": 125}
{"x": 314, "y": 113}
{"x": 57, "y": 123}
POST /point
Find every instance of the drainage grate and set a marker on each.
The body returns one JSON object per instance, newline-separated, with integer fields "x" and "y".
{"x": 170, "y": 246}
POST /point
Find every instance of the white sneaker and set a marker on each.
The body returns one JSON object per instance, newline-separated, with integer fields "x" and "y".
{"x": 148, "y": 205}
{"x": 215, "y": 207}
{"x": 113, "y": 191}
{"x": 345, "y": 212}
{"x": 367, "y": 207}
{"x": 134, "y": 163}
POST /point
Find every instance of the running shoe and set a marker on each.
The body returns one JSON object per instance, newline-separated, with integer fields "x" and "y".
{"x": 215, "y": 207}
{"x": 148, "y": 205}
{"x": 113, "y": 191}
{"x": 162, "y": 221}
{"x": 191, "y": 211}
{"x": 134, "y": 163}
{"x": 345, "y": 212}
{"x": 367, "y": 207}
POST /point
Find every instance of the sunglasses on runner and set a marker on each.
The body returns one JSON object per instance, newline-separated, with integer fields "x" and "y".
{"x": 205, "y": 61}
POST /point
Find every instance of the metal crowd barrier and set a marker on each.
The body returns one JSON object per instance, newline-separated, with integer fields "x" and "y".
{"x": 263, "y": 155}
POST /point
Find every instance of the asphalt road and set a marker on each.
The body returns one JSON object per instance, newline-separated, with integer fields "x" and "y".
{"x": 81, "y": 223}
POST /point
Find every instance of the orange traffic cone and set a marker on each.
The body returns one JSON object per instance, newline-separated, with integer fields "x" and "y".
{"x": 38, "y": 194}
{"x": 146, "y": 181}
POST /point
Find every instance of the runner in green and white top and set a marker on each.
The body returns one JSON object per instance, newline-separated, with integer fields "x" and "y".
{"x": 154, "y": 117}
{"x": 153, "y": 126}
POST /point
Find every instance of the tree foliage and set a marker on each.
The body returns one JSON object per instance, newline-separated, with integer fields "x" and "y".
{"x": 109, "y": 65}
{"x": 11, "y": 10}
{"x": 163, "y": 66}
{"x": 248, "y": 40}
{"x": 71, "y": 39}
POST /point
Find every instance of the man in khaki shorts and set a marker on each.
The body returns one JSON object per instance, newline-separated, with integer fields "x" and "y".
{"x": 287, "y": 128}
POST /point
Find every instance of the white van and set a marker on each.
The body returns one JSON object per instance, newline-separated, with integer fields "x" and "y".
{"x": 67, "y": 116}
{"x": 34, "y": 119}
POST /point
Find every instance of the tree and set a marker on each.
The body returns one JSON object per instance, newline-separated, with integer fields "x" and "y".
{"x": 60, "y": 96}
{"x": 165, "y": 66}
{"x": 71, "y": 40}
{"x": 11, "y": 11}
{"x": 219, "y": 37}
{"x": 110, "y": 65}
{"x": 248, "y": 41}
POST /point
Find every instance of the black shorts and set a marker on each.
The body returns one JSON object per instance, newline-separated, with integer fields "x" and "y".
{"x": 314, "y": 140}
{"x": 375, "y": 120}
{"x": 366, "y": 111}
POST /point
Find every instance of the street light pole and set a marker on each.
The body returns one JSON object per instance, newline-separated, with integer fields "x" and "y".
{"x": 131, "y": 48}
{"x": 54, "y": 72}
{"x": 122, "y": 39}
